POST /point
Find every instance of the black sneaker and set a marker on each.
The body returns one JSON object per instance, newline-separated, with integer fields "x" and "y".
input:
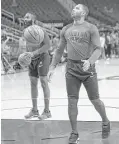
{"x": 105, "y": 130}
{"x": 74, "y": 138}
{"x": 32, "y": 114}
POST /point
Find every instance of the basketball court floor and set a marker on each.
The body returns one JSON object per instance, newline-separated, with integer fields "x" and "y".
{"x": 16, "y": 102}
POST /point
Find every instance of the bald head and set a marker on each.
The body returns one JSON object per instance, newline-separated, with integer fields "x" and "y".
{"x": 79, "y": 11}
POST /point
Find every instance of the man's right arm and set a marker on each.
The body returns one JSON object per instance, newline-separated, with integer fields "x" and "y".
{"x": 59, "y": 52}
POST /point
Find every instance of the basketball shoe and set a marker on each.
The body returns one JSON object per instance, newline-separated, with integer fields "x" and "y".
{"x": 32, "y": 114}
{"x": 45, "y": 115}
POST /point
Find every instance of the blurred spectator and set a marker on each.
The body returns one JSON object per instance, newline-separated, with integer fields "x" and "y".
{"x": 54, "y": 41}
{"x": 113, "y": 41}
{"x": 117, "y": 45}
{"x": 108, "y": 46}
{"x": 102, "y": 41}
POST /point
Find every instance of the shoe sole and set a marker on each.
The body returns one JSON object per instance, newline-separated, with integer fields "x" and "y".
{"x": 44, "y": 118}
{"x": 77, "y": 142}
{"x": 31, "y": 117}
{"x": 105, "y": 135}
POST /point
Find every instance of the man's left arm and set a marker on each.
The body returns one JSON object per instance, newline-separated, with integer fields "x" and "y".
{"x": 95, "y": 39}
{"x": 45, "y": 47}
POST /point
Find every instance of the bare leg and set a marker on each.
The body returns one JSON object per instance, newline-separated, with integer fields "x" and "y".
{"x": 73, "y": 112}
{"x": 46, "y": 91}
{"x": 34, "y": 92}
{"x": 99, "y": 106}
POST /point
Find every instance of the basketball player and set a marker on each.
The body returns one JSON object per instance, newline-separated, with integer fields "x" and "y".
{"x": 39, "y": 67}
{"x": 83, "y": 48}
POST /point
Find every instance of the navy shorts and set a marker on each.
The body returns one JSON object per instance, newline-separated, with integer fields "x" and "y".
{"x": 40, "y": 66}
{"x": 75, "y": 76}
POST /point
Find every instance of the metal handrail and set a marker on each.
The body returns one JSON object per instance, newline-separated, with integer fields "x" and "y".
{"x": 9, "y": 14}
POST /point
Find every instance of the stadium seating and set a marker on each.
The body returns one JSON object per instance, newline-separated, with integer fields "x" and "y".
{"x": 9, "y": 23}
{"x": 46, "y": 10}
{"x": 107, "y": 5}
{"x": 53, "y": 11}
{"x": 97, "y": 9}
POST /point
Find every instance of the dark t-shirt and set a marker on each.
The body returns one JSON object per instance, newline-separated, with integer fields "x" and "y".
{"x": 81, "y": 40}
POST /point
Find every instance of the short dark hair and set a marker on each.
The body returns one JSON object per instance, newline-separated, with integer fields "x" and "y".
{"x": 85, "y": 9}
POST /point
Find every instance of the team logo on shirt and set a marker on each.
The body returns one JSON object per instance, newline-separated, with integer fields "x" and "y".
{"x": 78, "y": 37}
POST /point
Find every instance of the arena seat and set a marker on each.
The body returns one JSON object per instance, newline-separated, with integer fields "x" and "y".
{"x": 47, "y": 11}
{"x": 97, "y": 9}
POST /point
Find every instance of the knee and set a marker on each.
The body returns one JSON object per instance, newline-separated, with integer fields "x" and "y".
{"x": 34, "y": 81}
{"x": 97, "y": 102}
{"x": 72, "y": 102}
{"x": 44, "y": 81}
{"x": 72, "y": 107}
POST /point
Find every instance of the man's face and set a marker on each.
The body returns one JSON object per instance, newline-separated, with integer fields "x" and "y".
{"x": 77, "y": 12}
{"x": 28, "y": 18}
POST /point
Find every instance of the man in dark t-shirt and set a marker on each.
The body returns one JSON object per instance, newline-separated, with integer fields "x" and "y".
{"x": 38, "y": 68}
{"x": 83, "y": 50}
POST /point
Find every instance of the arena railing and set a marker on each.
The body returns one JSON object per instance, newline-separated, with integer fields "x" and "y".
{"x": 49, "y": 29}
{"x": 14, "y": 34}
{"x": 8, "y": 14}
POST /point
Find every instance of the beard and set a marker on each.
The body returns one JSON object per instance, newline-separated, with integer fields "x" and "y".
{"x": 27, "y": 23}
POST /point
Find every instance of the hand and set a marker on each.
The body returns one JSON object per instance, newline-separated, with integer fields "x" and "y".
{"x": 31, "y": 53}
{"x": 50, "y": 73}
{"x": 86, "y": 64}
